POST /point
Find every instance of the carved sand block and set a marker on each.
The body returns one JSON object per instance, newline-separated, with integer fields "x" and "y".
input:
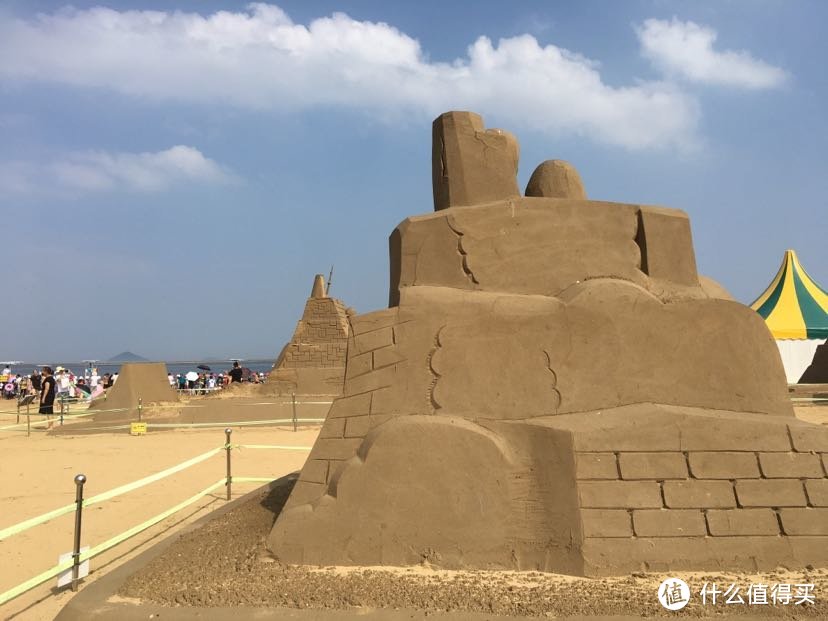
{"x": 471, "y": 164}
{"x": 556, "y": 179}
{"x": 553, "y": 388}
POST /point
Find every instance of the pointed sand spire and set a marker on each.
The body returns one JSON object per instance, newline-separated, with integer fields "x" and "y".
{"x": 318, "y": 290}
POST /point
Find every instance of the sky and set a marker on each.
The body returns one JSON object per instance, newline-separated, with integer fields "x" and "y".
{"x": 174, "y": 173}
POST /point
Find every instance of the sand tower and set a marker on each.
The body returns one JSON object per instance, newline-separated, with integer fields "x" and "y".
{"x": 313, "y": 362}
{"x": 553, "y": 388}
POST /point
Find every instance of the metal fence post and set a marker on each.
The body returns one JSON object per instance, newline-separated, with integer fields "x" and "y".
{"x": 79, "y": 481}
{"x": 228, "y": 448}
{"x": 140, "y": 407}
{"x": 294, "y": 411}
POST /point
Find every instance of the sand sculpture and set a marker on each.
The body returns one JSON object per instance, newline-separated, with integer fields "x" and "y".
{"x": 313, "y": 362}
{"x": 554, "y": 387}
{"x": 138, "y": 380}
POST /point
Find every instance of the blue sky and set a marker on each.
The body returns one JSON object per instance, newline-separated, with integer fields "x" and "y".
{"x": 172, "y": 174}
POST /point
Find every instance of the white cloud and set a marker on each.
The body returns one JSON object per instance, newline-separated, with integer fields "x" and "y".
{"x": 94, "y": 171}
{"x": 261, "y": 59}
{"x": 686, "y": 49}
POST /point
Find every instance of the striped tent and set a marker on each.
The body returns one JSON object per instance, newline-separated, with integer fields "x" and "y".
{"x": 795, "y": 309}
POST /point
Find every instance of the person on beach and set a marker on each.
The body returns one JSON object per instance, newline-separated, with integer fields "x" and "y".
{"x": 47, "y": 393}
{"x": 62, "y": 383}
{"x": 34, "y": 381}
{"x": 235, "y": 373}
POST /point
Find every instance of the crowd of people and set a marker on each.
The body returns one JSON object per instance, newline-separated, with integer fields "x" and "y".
{"x": 63, "y": 385}
{"x": 203, "y": 382}
{"x": 70, "y": 386}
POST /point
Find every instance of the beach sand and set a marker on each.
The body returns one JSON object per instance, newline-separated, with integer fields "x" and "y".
{"x": 239, "y": 572}
{"x": 38, "y": 476}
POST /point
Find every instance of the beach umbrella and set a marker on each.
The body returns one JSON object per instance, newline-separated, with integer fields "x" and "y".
{"x": 203, "y": 367}
{"x": 191, "y": 376}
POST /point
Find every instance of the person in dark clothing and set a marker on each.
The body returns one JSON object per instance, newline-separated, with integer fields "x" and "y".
{"x": 81, "y": 386}
{"x": 47, "y": 392}
{"x": 236, "y": 373}
{"x": 34, "y": 380}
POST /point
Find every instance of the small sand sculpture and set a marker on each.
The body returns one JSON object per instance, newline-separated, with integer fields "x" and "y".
{"x": 138, "y": 380}
{"x": 554, "y": 387}
{"x": 313, "y": 362}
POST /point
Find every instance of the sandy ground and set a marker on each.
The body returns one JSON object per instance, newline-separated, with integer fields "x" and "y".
{"x": 38, "y": 476}
{"x": 238, "y": 571}
{"x": 812, "y": 413}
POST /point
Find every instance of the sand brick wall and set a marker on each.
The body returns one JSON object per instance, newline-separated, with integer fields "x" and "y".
{"x": 371, "y": 365}
{"x": 719, "y": 492}
{"x": 761, "y": 491}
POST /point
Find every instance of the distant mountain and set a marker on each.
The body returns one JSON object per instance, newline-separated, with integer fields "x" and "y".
{"x": 128, "y": 356}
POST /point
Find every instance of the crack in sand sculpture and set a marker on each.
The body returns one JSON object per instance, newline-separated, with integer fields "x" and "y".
{"x": 664, "y": 440}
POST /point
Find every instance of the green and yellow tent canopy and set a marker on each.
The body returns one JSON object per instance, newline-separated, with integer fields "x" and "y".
{"x": 794, "y": 306}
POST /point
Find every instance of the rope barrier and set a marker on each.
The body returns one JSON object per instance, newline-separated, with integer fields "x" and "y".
{"x": 54, "y": 418}
{"x": 236, "y": 423}
{"x": 163, "y": 425}
{"x": 103, "y": 547}
{"x": 33, "y": 582}
{"x": 123, "y": 489}
{"x": 114, "y": 541}
{"x": 172, "y": 405}
{"x": 287, "y": 403}
{"x": 273, "y": 446}
{"x": 249, "y": 423}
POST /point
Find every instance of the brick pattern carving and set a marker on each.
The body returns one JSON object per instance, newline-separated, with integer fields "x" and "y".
{"x": 321, "y": 337}
{"x": 693, "y": 494}
{"x": 372, "y": 362}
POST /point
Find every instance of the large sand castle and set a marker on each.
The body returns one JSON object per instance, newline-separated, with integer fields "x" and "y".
{"x": 555, "y": 387}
